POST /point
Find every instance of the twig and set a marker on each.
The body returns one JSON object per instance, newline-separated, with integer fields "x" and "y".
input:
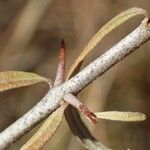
{"x": 25, "y": 26}
{"x": 61, "y": 65}
{"x": 71, "y": 99}
{"x": 51, "y": 101}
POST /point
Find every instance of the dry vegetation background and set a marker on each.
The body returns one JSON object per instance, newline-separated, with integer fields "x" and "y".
{"x": 29, "y": 41}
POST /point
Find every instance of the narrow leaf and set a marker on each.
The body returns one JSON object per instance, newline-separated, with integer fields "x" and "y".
{"x": 61, "y": 65}
{"x": 75, "y": 122}
{"x": 121, "y": 116}
{"x": 108, "y": 27}
{"x": 15, "y": 79}
{"x": 45, "y": 132}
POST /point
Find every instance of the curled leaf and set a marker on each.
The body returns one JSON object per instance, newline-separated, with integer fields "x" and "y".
{"x": 45, "y": 132}
{"x": 108, "y": 27}
{"x": 15, "y": 79}
{"x": 121, "y": 116}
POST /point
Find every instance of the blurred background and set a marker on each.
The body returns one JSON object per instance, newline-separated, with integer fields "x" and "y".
{"x": 30, "y": 34}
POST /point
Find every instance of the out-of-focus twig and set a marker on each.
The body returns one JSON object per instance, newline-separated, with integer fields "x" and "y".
{"x": 26, "y": 24}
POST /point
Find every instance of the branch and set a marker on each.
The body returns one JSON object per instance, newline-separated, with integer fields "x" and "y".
{"x": 51, "y": 101}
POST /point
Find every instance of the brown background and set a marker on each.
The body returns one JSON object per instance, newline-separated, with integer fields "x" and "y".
{"x": 125, "y": 87}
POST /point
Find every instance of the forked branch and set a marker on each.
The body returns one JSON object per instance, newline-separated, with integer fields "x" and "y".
{"x": 51, "y": 101}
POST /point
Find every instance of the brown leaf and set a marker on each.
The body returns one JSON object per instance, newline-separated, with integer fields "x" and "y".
{"x": 51, "y": 124}
{"x": 45, "y": 132}
{"x": 76, "y": 124}
{"x": 121, "y": 116}
{"x": 107, "y": 28}
{"x": 16, "y": 79}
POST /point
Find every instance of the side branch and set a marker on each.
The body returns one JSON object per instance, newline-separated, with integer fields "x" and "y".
{"x": 51, "y": 101}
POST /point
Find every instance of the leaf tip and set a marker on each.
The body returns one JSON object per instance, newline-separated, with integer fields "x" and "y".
{"x": 62, "y": 50}
{"x": 62, "y": 45}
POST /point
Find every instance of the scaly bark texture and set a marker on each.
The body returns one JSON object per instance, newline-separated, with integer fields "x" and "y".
{"x": 51, "y": 101}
